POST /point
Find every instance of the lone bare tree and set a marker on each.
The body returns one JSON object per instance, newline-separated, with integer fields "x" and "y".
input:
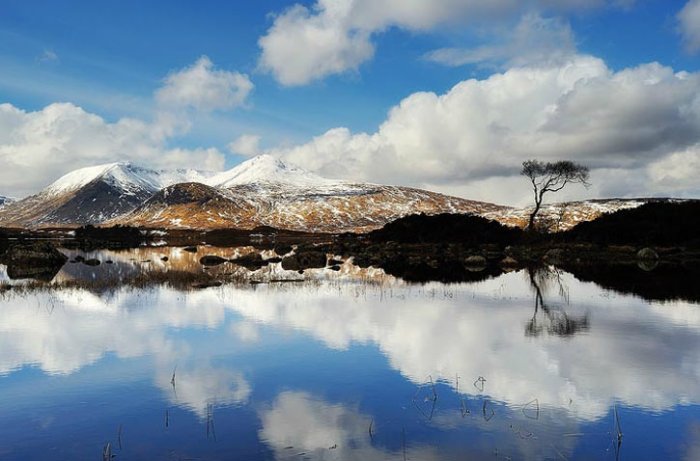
{"x": 551, "y": 177}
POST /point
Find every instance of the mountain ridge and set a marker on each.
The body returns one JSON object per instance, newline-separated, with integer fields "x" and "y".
{"x": 262, "y": 191}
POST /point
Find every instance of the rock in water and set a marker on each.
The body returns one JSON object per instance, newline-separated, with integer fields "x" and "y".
{"x": 252, "y": 261}
{"x": 38, "y": 260}
{"x": 212, "y": 260}
{"x": 304, "y": 260}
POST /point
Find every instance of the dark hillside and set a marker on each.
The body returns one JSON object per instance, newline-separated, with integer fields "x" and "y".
{"x": 446, "y": 228}
{"x": 659, "y": 224}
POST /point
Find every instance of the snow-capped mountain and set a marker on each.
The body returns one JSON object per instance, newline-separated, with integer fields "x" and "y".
{"x": 92, "y": 195}
{"x": 260, "y": 191}
{"x": 266, "y": 191}
{"x": 352, "y": 208}
{"x": 126, "y": 177}
{"x": 267, "y": 169}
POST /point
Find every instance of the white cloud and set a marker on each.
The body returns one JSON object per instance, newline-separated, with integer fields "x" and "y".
{"x": 678, "y": 172}
{"x": 534, "y": 40}
{"x": 247, "y": 145}
{"x": 689, "y": 22}
{"x": 301, "y": 47}
{"x": 204, "y": 88}
{"x": 481, "y": 130}
{"x": 335, "y": 36}
{"x": 39, "y": 146}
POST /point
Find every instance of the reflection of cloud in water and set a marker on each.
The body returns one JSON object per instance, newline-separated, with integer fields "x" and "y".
{"x": 62, "y": 331}
{"x": 643, "y": 354}
{"x": 247, "y": 332}
{"x": 201, "y": 386}
{"x": 297, "y": 423}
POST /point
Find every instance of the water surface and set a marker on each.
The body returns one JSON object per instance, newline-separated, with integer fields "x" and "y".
{"x": 348, "y": 365}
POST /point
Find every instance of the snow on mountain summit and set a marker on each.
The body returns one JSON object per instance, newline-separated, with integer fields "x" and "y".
{"x": 268, "y": 169}
{"x": 131, "y": 178}
{"x": 260, "y": 191}
{"x": 124, "y": 176}
{"x": 117, "y": 172}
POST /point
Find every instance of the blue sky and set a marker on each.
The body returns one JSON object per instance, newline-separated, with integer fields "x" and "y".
{"x": 110, "y": 59}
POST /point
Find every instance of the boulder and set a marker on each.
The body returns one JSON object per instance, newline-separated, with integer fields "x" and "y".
{"x": 38, "y": 260}
{"x": 36, "y": 252}
{"x": 509, "y": 261}
{"x": 251, "y": 261}
{"x": 282, "y": 249}
{"x": 212, "y": 260}
{"x": 475, "y": 261}
{"x": 304, "y": 260}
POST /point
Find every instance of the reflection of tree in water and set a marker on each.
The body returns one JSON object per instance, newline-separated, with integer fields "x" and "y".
{"x": 556, "y": 321}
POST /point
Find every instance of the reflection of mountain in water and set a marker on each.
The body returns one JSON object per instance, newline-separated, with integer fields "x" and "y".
{"x": 108, "y": 270}
{"x": 662, "y": 283}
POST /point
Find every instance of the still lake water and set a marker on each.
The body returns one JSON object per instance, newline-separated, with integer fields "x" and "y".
{"x": 349, "y": 365}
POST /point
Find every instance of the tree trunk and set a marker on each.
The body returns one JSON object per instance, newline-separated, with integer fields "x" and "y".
{"x": 531, "y": 221}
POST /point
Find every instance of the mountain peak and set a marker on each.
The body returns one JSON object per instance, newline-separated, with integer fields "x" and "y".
{"x": 267, "y": 169}
{"x": 125, "y": 176}
{"x": 83, "y": 176}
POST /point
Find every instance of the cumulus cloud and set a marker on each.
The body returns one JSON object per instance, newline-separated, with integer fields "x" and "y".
{"x": 476, "y": 135}
{"x": 689, "y": 23}
{"x": 36, "y": 147}
{"x": 247, "y": 145}
{"x": 334, "y": 36}
{"x": 534, "y": 40}
{"x": 204, "y": 88}
{"x": 678, "y": 172}
{"x": 301, "y": 47}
